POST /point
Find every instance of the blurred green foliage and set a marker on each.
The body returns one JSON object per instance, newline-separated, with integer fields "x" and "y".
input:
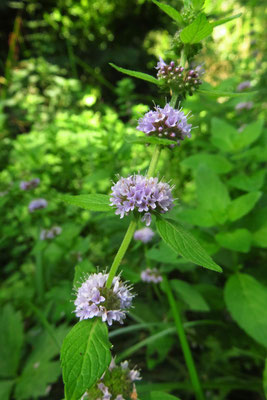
{"x": 66, "y": 118}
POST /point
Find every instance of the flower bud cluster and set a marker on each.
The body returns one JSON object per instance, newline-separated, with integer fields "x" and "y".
{"x": 27, "y": 185}
{"x": 117, "y": 383}
{"x": 95, "y": 300}
{"x": 141, "y": 194}
{"x": 167, "y": 123}
{"x": 151, "y": 275}
{"x": 176, "y": 77}
{"x": 50, "y": 233}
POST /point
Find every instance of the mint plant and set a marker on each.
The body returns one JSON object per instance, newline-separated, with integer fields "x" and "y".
{"x": 102, "y": 298}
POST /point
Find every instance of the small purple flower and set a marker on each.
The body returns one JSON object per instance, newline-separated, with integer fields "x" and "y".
{"x": 151, "y": 275}
{"x": 144, "y": 234}
{"x": 50, "y": 233}
{"x": 166, "y": 123}
{"x": 95, "y": 300}
{"x": 244, "y": 105}
{"x": 243, "y": 86}
{"x": 37, "y": 204}
{"x": 147, "y": 195}
{"x": 27, "y": 185}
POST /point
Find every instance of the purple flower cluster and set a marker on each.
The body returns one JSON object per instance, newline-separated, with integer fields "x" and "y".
{"x": 151, "y": 275}
{"x": 243, "y": 86}
{"x": 37, "y": 204}
{"x": 116, "y": 383}
{"x": 142, "y": 194}
{"x": 144, "y": 234}
{"x": 166, "y": 123}
{"x": 177, "y": 77}
{"x": 27, "y": 185}
{"x": 244, "y": 105}
{"x": 95, "y": 300}
{"x": 50, "y": 233}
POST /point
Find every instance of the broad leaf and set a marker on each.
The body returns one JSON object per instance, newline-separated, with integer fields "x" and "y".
{"x": 224, "y": 20}
{"x": 136, "y": 74}
{"x": 238, "y": 240}
{"x": 5, "y": 389}
{"x": 170, "y": 11}
{"x": 183, "y": 243}
{"x": 212, "y": 193}
{"x": 85, "y": 355}
{"x": 246, "y": 299}
{"x": 249, "y": 135}
{"x": 11, "y": 339}
{"x": 217, "y": 163}
{"x": 162, "y": 396}
{"x": 92, "y": 202}
{"x": 196, "y": 216}
{"x": 260, "y": 236}
{"x": 248, "y": 182}
{"x": 189, "y": 295}
{"x": 243, "y": 205}
{"x": 198, "y": 30}
{"x": 35, "y": 379}
{"x": 223, "y": 134}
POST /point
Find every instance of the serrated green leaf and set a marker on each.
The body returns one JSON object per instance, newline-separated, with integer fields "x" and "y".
{"x": 217, "y": 163}
{"x": 248, "y": 182}
{"x": 197, "y": 31}
{"x": 85, "y": 355}
{"x": 92, "y": 202}
{"x": 170, "y": 11}
{"x": 242, "y": 205}
{"x": 246, "y": 300}
{"x": 189, "y": 295}
{"x": 136, "y": 74}
{"x": 237, "y": 240}
{"x": 183, "y": 243}
{"x": 225, "y": 20}
{"x": 150, "y": 140}
{"x": 223, "y": 93}
{"x": 157, "y": 395}
{"x": 11, "y": 339}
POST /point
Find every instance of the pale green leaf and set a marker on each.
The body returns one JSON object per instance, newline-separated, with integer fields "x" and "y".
{"x": 92, "y": 202}
{"x": 237, "y": 240}
{"x": 216, "y": 162}
{"x": 246, "y": 300}
{"x": 85, "y": 355}
{"x": 198, "y": 30}
{"x": 248, "y": 182}
{"x": 136, "y": 74}
{"x": 242, "y": 205}
{"x": 198, "y": 4}
{"x": 212, "y": 194}
{"x": 225, "y": 20}
{"x": 36, "y": 378}
{"x": 189, "y": 295}
{"x": 170, "y": 11}
{"x": 183, "y": 243}
{"x": 11, "y": 339}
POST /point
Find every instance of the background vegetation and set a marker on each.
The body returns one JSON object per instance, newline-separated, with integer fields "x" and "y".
{"x": 66, "y": 117}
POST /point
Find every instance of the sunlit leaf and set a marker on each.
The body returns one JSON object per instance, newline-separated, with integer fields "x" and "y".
{"x": 93, "y": 202}
{"x": 197, "y": 31}
{"x": 170, "y": 11}
{"x": 136, "y": 74}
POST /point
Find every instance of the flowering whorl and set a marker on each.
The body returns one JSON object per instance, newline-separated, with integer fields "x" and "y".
{"x": 141, "y": 194}
{"x": 165, "y": 123}
{"x": 95, "y": 300}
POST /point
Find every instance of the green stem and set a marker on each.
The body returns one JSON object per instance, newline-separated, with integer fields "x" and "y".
{"x": 174, "y": 100}
{"x": 154, "y": 161}
{"x": 183, "y": 57}
{"x": 120, "y": 254}
{"x": 184, "y": 343}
